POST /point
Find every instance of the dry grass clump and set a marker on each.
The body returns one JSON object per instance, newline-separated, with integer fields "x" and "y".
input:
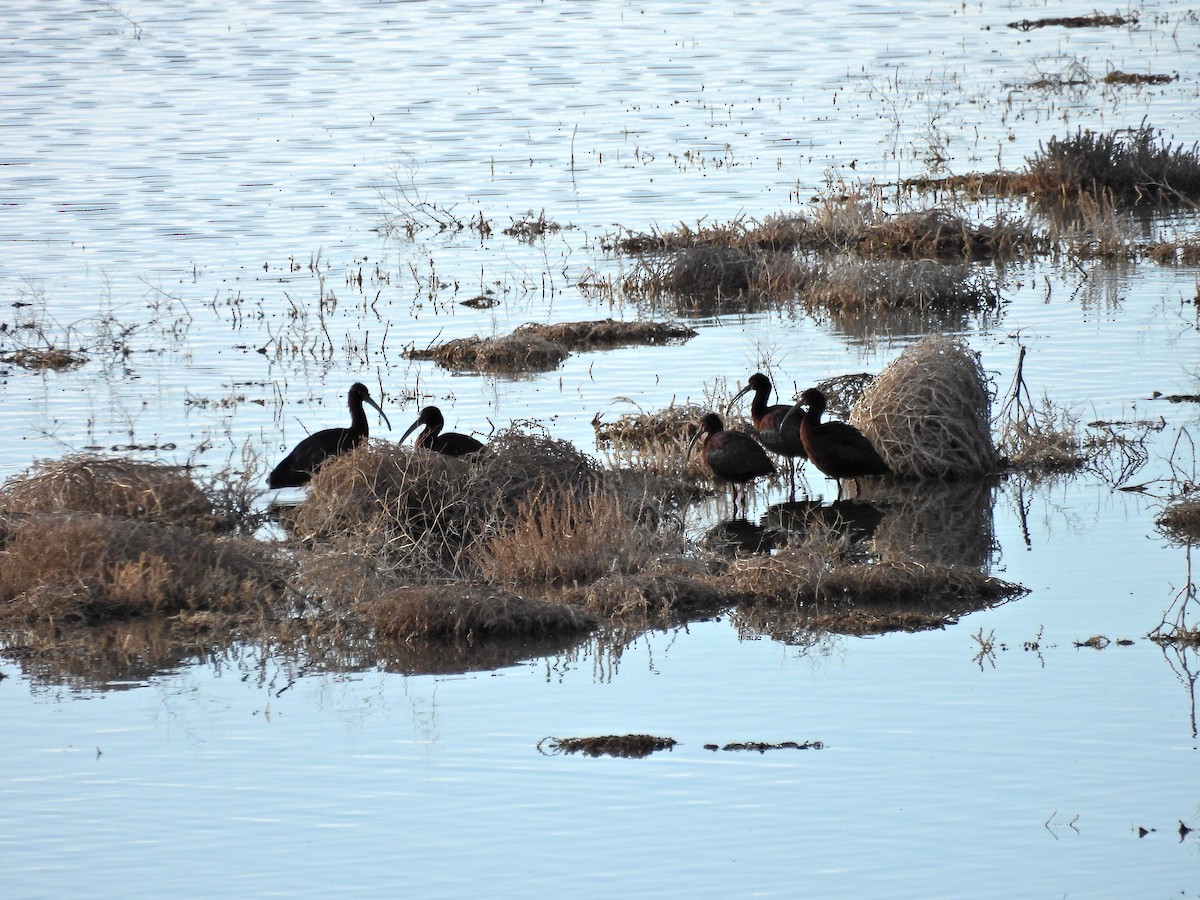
{"x": 928, "y": 413}
{"x": 1133, "y": 166}
{"x": 655, "y": 442}
{"x": 610, "y": 333}
{"x": 1036, "y": 437}
{"x": 406, "y": 509}
{"x": 518, "y": 464}
{"x": 855, "y": 285}
{"x": 467, "y": 613}
{"x": 562, "y": 538}
{"x": 842, "y": 392}
{"x": 426, "y": 516}
{"x": 531, "y": 226}
{"x": 711, "y": 279}
{"x": 973, "y": 184}
{"x": 937, "y": 233}
{"x": 541, "y": 348}
{"x": 112, "y": 487}
{"x": 82, "y": 568}
{"x": 520, "y": 351}
{"x": 1182, "y": 520}
{"x": 806, "y": 627}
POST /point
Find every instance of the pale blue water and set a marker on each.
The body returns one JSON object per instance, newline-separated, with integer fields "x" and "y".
{"x": 171, "y": 171}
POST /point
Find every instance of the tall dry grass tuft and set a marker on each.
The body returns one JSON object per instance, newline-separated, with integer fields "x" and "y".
{"x": 1131, "y": 165}
{"x": 423, "y": 516}
{"x": 928, "y": 413}
{"x": 560, "y": 538}
{"x": 112, "y": 487}
{"x": 82, "y": 568}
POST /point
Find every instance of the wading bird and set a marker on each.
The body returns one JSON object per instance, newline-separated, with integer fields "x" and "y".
{"x": 299, "y": 466}
{"x": 449, "y": 444}
{"x": 731, "y": 455}
{"x": 836, "y": 448}
{"x": 768, "y": 422}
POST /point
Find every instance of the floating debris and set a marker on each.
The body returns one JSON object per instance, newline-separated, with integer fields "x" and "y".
{"x": 626, "y": 746}
{"x": 760, "y": 747}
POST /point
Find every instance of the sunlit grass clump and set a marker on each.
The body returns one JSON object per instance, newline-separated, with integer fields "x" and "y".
{"x": 928, "y": 413}
{"x": 109, "y": 486}
{"x": 89, "y": 569}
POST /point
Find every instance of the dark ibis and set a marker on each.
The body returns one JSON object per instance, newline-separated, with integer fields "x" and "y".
{"x": 449, "y": 444}
{"x": 768, "y": 423}
{"x": 299, "y": 466}
{"x": 838, "y": 449}
{"x": 768, "y": 420}
{"x": 731, "y": 455}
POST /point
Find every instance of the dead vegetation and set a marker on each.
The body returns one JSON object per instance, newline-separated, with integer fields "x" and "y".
{"x": 1133, "y": 166}
{"x": 1182, "y": 252}
{"x": 940, "y": 234}
{"x": 1181, "y": 520}
{"x": 542, "y": 348}
{"x": 1095, "y": 20}
{"x": 54, "y": 358}
{"x": 1038, "y": 437}
{"x": 87, "y": 569}
{"x": 761, "y": 747}
{"x": 1118, "y": 77}
{"x": 606, "y": 333}
{"x": 928, "y": 413}
{"x": 110, "y": 486}
{"x": 428, "y": 560}
{"x": 626, "y": 746}
{"x": 655, "y": 442}
{"x": 1127, "y": 167}
{"x": 508, "y": 354}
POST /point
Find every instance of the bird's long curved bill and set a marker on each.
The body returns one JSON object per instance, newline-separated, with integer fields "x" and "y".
{"x": 379, "y": 409}
{"x": 791, "y": 412}
{"x": 738, "y": 396}
{"x": 411, "y": 428}
{"x": 692, "y": 443}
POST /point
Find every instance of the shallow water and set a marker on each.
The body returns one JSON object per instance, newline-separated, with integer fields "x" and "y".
{"x": 183, "y": 186}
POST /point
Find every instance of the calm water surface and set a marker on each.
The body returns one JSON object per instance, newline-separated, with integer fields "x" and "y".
{"x": 182, "y": 186}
